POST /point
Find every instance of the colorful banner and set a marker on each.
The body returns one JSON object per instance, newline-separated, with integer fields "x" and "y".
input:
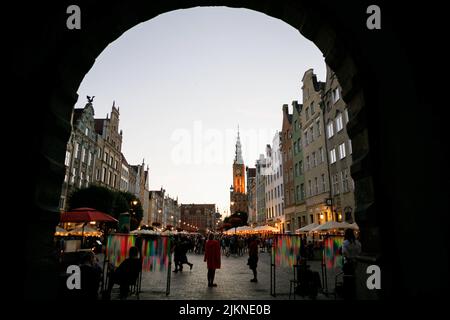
{"x": 287, "y": 250}
{"x": 155, "y": 254}
{"x": 333, "y": 252}
{"x": 118, "y": 247}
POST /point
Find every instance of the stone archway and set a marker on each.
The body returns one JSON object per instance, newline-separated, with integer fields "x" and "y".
{"x": 62, "y": 58}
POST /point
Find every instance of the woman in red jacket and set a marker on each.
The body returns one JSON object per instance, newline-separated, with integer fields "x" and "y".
{"x": 212, "y": 258}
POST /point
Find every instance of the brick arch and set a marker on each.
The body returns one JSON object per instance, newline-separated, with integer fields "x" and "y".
{"x": 102, "y": 24}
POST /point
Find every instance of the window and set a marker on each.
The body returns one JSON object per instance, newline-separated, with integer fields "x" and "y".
{"x": 105, "y": 157}
{"x": 341, "y": 178}
{"x": 305, "y": 133}
{"x": 67, "y": 160}
{"x": 295, "y": 125}
{"x": 91, "y": 158}
{"x": 332, "y": 156}
{"x": 86, "y": 131}
{"x": 330, "y": 129}
{"x": 297, "y": 173}
{"x": 319, "y": 129}
{"x": 336, "y": 95}
{"x": 314, "y": 159}
{"x": 104, "y": 175}
{"x": 311, "y": 134}
{"x": 342, "y": 151}
{"x": 307, "y": 114}
{"x": 300, "y": 167}
{"x": 297, "y": 193}
{"x": 115, "y": 180}
{"x": 88, "y": 179}
{"x": 81, "y": 179}
{"x": 74, "y": 173}
{"x": 335, "y": 180}
{"x": 316, "y": 182}
{"x": 302, "y": 191}
{"x": 307, "y": 163}
{"x": 77, "y": 147}
{"x": 339, "y": 124}
{"x": 312, "y": 108}
{"x": 322, "y": 155}
{"x": 346, "y": 115}
{"x": 295, "y": 147}
{"x": 83, "y": 154}
{"x": 309, "y": 188}
{"x": 97, "y": 175}
{"x": 349, "y": 146}
{"x": 299, "y": 144}
{"x": 66, "y": 177}
{"x": 324, "y": 184}
{"x": 345, "y": 181}
{"x": 61, "y": 202}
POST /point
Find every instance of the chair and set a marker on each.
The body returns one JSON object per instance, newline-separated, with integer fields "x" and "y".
{"x": 293, "y": 283}
{"x": 338, "y": 285}
{"x": 135, "y": 287}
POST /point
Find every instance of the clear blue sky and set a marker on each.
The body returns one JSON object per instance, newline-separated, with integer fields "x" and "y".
{"x": 186, "y": 79}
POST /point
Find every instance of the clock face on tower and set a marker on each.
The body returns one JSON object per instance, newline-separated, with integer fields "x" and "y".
{"x": 238, "y": 171}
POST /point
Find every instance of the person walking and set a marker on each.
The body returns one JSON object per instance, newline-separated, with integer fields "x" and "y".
{"x": 212, "y": 258}
{"x": 253, "y": 258}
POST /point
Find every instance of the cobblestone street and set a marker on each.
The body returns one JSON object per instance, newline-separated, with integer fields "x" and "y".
{"x": 233, "y": 281}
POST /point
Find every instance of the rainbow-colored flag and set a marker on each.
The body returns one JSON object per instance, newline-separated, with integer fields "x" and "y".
{"x": 287, "y": 250}
{"x": 155, "y": 254}
{"x": 333, "y": 252}
{"x": 118, "y": 247}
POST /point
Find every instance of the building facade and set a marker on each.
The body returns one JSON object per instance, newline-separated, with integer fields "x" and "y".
{"x": 81, "y": 153}
{"x": 314, "y": 152}
{"x": 198, "y": 217}
{"x": 251, "y": 195}
{"x": 156, "y": 205}
{"x": 171, "y": 212}
{"x": 298, "y": 219}
{"x": 108, "y": 168}
{"x": 339, "y": 148}
{"x": 260, "y": 181}
{"x": 286, "y": 146}
{"x": 274, "y": 185}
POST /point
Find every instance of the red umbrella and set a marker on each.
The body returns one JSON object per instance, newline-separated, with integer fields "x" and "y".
{"x": 85, "y": 215}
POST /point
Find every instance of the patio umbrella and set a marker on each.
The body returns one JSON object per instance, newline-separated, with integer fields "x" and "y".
{"x": 307, "y": 228}
{"x": 144, "y": 231}
{"x": 86, "y": 215}
{"x": 330, "y": 225}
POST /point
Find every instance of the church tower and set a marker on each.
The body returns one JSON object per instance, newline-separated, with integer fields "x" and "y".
{"x": 238, "y": 197}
